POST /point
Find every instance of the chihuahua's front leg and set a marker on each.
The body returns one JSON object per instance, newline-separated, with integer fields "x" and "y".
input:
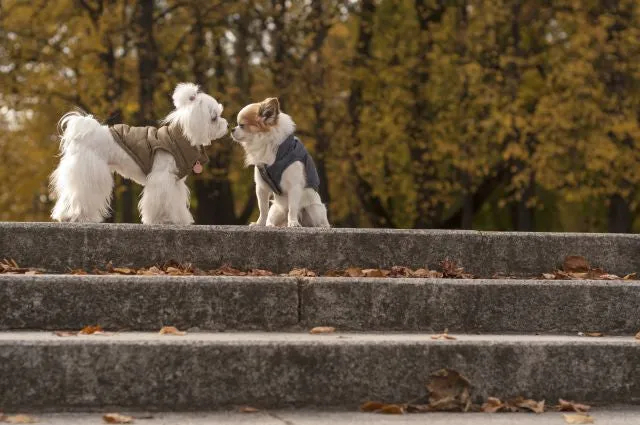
{"x": 294, "y": 195}
{"x": 262, "y": 193}
{"x": 293, "y": 182}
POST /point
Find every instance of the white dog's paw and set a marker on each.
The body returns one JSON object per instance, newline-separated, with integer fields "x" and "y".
{"x": 294, "y": 224}
{"x": 256, "y": 224}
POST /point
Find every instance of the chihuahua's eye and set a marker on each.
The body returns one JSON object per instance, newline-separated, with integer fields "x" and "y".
{"x": 214, "y": 119}
{"x": 241, "y": 125}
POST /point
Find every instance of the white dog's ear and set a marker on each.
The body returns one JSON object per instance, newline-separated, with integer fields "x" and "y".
{"x": 269, "y": 110}
{"x": 185, "y": 94}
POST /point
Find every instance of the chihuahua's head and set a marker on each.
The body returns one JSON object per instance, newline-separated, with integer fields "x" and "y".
{"x": 261, "y": 128}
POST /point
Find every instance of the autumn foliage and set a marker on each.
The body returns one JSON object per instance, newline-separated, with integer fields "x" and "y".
{"x": 419, "y": 113}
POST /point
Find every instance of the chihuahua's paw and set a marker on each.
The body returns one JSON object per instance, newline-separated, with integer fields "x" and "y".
{"x": 256, "y": 223}
{"x": 294, "y": 224}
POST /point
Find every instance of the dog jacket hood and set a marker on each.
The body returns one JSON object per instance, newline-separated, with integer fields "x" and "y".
{"x": 143, "y": 142}
{"x": 290, "y": 151}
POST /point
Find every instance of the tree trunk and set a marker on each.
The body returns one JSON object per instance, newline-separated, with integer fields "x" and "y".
{"x": 620, "y": 218}
{"x": 147, "y": 67}
{"x": 427, "y": 212}
{"x": 214, "y": 194}
{"x": 372, "y": 205}
{"x": 216, "y": 201}
{"x": 279, "y": 65}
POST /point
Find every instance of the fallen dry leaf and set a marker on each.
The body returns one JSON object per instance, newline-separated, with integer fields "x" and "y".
{"x": 248, "y": 409}
{"x": 19, "y": 419}
{"x": 391, "y": 409}
{"x": 371, "y": 406}
{"x": 448, "y": 391}
{"x": 638, "y": 335}
{"x": 260, "y": 272}
{"x": 528, "y": 404}
{"x": 322, "y": 330}
{"x": 151, "y": 271}
{"x": 571, "y": 406}
{"x": 354, "y": 272}
{"x": 123, "y": 270}
{"x": 425, "y": 273}
{"x": 175, "y": 267}
{"x": 593, "y": 334}
{"x": 492, "y": 405}
{"x": 174, "y": 271}
{"x": 375, "y": 272}
{"x": 418, "y": 408}
{"x": 608, "y": 276}
{"x": 302, "y": 273}
{"x": 578, "y": 419}
{"x": 89, "y": 330}
{"x": 443, "y": 335}
{"x": 171, "y": 330}
{"x": 450, "y": 269}
{"x": 117, "y": 418}
{"x": 630, "y": 276}
{"x": 401, "y": 271}
{"x": 548, "y": 276}
{"x": 65, "y": 333}
{"x": 575, "y": 263}
{"x": 378, "y": 407}
{"x": 11, "y": 267}
{"x": 227, "y": 270}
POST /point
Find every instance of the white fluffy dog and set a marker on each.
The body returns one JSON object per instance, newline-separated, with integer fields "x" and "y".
{"x": 282, "y": 167}
{"x": 157, "y": 158}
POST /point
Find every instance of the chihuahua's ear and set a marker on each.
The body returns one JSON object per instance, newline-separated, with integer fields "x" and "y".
{"x": 185, "y": 94}
{"x": 269, "y": 111}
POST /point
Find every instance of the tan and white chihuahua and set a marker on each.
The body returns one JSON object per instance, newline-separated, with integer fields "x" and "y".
{"x": 282, "y": 167}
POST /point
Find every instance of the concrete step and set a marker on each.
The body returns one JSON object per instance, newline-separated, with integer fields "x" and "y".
{"x": 59, "y": 247}
{"x": 618, "y": 416}
{"x": 115, "y": 302}
{"x": 57, "y": 302}
{"x": 209, "y": 371}
{"x": 472, "y": 306}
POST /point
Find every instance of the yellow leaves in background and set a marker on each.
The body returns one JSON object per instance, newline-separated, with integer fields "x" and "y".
{"x": 560, "y": 106}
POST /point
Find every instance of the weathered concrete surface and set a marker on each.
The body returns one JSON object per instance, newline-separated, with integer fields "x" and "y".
{"x": 147, "y": 302}
{"x": 211, "y": 371}
{"x": 255, "y": 303}
{"x": 623, "y": 416}
{"x": 62, "y": 246}
{"x": 472, "y": 306}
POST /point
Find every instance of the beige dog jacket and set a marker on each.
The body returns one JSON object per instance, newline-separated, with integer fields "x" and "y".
{"x": 143, "y": 142}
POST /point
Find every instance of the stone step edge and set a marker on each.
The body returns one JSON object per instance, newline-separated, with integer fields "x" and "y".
{"x": 212, "y": 371}
{"x": 220, "y": 303}
{"x": 59, "y": 247}
{"x": 305, "y": 338}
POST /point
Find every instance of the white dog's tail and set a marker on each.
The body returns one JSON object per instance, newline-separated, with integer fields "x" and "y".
{"x": 75, "y": 125}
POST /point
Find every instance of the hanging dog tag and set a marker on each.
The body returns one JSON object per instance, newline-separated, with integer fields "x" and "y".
{"x": 197, "y": 167}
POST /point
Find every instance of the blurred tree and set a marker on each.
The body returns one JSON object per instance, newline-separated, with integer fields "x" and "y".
{"x": 419, "y": 113}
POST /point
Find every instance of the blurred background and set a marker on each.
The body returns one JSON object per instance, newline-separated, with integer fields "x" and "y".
{"x": 496, "y": 115}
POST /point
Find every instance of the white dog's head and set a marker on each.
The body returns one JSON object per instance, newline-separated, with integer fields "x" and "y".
{"x": 261, "y": 128}
{"x": 198, "y": 114}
